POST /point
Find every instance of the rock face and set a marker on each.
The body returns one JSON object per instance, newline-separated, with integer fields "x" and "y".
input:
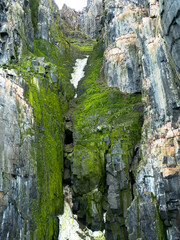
{"x": 13, "y": 33}
{"x": 137, "y": 40}
{"x": 92, "y": 18}
{"x": 31, "y": 137}
{"x": 18, "y": 171}
{"x": 123, "y": 68}
{"x": 142, "y": 193}
{"x": 122, "y": 154}
{"x": 169, "y": 13}
{"x": 71, "y": 18}
{"x": 43, "y": 20}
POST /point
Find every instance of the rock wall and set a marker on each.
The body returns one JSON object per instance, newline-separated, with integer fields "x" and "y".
{"x": 140, "y": 40}
{"x": 34, "y": 88}
{"x": 18, "y": 170}
{"x": 13, "y": 33}
{"x": 124, "y": 156}
{"x": 92, "y": 18}
{"x": 71, "y": 18}
{"x": 141, "y": 190}
{"x": 122, "y": 63}
{"x": 169, "y": 13}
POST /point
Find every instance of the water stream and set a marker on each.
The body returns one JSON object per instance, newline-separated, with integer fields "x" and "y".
{"x": 69, "y": 228}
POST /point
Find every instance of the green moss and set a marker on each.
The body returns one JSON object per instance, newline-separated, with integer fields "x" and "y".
{"x": 34, "y": 4}
{"x": 49, "y": 156}
{"x": 49, "y": 103}
{"x": 161, "y": 232}
{"x": 103, "y": 113}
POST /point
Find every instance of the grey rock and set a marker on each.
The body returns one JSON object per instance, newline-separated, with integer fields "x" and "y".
{"x": 34, "y": 63}
{"x": 17, "y": 176}
{"x": 106, "y": 140}
{"x": 54, "y": 76}
{"x": 91, "y": 18}
{"x": 171, "y": 28}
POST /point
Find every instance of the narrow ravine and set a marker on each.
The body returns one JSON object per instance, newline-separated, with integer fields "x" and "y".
{"x": 69, "y": 227}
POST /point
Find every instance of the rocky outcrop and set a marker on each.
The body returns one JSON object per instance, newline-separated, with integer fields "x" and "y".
{"x": 71, "y": 18}
{"x": 133, "y": 26}
{"x": 169, "y": 13}
{"x": 18, "y": 170}
{"x": 92, "y": 18}
{"x": 14, "y": 34}
{"x": 158, "y": 174}
{"x": 44, "y": 20}
{"x": 122, "y": 62}
{"x": 31, "y": 149}
{"x": 31, "y": 145}
{"x": 143, "y": 191}
{"x": 103, "y": 151}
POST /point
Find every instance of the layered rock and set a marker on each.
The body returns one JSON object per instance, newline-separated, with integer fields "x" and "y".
{"x": 122, "y": 63}
{"x": 33, "y": 97}
{"x": 158, "y": 174}
{"x": 92, "y": 18}
{"x": 103, "y": 151}
{"x": 154, "y": 212}
{"x": 124, "y": 168}
{"x": 13, "y": 33}
{"x": 140, "y": 39}
{"x": 169, "y": 13}
{"x": 44, "y": 20}
{"x": 18, "y": 169}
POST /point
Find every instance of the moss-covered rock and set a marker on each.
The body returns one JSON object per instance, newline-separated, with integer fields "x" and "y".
{"x": 107, "y": 126}
{"x": 49, "y": 101}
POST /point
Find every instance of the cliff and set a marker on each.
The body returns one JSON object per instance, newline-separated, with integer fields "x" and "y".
{"x": 35, "y": 88}
{"x": 131, "y": 170}
{"x": 117, "y": 144}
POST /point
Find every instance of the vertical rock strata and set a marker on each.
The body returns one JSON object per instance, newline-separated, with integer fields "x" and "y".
{"x": 34, "y": 88}
{"x": 122, "y": 63}
{"x": 122, "y": 154}
{"x": 13, "y": 34}
{"x": 142, "y": 181}
{"x": 150, "y": 32}
{"x": 18, "y": 170}
{"x": 92, "y": 18}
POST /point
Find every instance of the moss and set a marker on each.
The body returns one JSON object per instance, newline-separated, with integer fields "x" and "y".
{"x": 49, "y": 100}
{"x": 161, "y": 232}
{"x": 49, "y": 156}
{"x": 49, "y": 103}
{"x": 34, "y": 4}
{"x": 102, "y": 112}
